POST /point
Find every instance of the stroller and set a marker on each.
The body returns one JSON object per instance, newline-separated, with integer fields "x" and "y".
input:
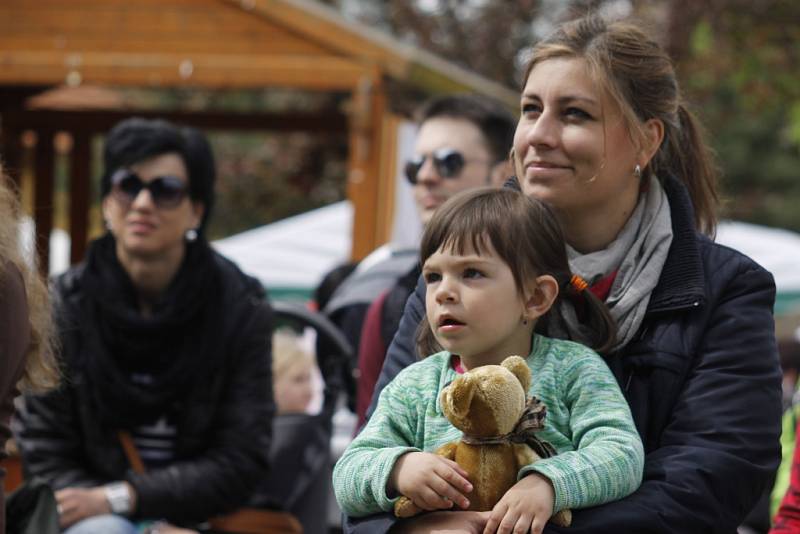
{"x": 300, "y": 455}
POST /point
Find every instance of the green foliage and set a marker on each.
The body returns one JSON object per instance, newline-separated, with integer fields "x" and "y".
{"x": 702, "y": 39}
{"x": 741, "y": 73}
{"x": 266, "y": 177}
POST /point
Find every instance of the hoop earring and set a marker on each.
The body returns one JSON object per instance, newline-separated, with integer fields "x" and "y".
{"x": 191, "y": 234}
{"x": 637, "y": 171}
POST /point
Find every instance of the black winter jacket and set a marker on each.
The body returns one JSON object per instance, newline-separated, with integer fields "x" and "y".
{"x": 223, "y": 429}
{"x": 703, "y": 382}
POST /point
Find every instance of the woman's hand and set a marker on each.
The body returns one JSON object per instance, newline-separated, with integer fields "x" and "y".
{"x": 430, "y": 481}
{"x": 76, "y": 504}
{"x": 525, "y": 507}
{"x": 443, "y": 523}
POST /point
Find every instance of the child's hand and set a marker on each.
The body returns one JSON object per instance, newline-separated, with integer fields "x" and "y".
{"x": 526, "y": 506}
{"x": 430, "y": 481}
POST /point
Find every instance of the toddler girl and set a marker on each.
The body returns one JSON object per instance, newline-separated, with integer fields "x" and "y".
{"x": 494, "y": 263}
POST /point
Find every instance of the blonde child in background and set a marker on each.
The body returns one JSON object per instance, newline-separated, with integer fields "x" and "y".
{"x": 293, "y": 372}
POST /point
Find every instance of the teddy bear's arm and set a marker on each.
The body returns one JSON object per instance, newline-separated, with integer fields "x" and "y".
{"x": 448, "y": 450}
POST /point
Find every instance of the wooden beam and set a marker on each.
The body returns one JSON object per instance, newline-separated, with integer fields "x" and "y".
{"x": 357, "y": 41}
{"x": 329, "y": 122}
{"x": 168, "y": 70}
{"x": 11, "y": 152}
{"x": 328, "y": 28}
{"x": 386, "y": 176}
{"x": 366, "y": 115}
{"x": 204, "y": 26}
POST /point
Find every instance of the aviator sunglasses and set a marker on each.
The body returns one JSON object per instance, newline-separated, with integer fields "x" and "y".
{"x": 166, "y": 191}
{"x": 447, "y": 162}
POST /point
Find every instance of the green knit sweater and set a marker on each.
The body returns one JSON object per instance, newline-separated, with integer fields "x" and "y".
{"x": 600, "y": 458}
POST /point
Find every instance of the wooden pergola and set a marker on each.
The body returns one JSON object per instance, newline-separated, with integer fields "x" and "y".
{"x": 210, "y": 44}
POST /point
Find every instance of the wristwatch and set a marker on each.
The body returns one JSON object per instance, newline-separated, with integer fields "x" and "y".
{"x": 118, "y": 497}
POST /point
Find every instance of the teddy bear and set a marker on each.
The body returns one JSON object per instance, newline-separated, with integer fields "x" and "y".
{"x": 489, "y": 404}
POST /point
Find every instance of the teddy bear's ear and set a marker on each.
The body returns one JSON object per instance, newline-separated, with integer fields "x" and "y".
{"x": 461, "y": 392}
{"x": 520, "y": 369}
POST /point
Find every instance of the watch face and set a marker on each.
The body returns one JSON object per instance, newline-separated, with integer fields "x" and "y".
{"x": 118, "y": 497}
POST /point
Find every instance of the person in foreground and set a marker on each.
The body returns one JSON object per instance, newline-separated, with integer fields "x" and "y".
{"x": 494, "y": 264}
{"x": 605, "y": 139}
{"x": 27, "y": 351}
{"x": 164, "y": 341}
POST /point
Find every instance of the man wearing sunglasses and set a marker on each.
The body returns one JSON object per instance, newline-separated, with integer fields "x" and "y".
{"x": 462, "y": 143}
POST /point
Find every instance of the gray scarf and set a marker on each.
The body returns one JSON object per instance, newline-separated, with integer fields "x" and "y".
{"x": 637, "y": 254}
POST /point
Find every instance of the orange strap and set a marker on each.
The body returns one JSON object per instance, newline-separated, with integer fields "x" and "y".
{"x": 257, "y": 521}
{"x": 130, "y": 451}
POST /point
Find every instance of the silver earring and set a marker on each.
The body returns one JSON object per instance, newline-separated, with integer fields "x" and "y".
{"x": 191, "y": 234}
{"x": 637, "y": 171}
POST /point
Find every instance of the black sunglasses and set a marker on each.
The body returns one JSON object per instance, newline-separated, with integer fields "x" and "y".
{"x": 167, "y": 191}
{"x": 448, "y": 164}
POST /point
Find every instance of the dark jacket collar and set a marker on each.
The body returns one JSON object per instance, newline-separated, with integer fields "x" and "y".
{"x": 682, "y": 282}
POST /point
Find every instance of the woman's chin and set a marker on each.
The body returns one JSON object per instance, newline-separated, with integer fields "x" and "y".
{"x": 145, "y": 248}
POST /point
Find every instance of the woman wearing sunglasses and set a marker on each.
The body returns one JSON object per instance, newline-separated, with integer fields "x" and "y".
{"x": 605, "y": 138}
{"x": 165, "y": 346}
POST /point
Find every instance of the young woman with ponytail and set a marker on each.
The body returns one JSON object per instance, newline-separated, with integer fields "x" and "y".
{"x": 605, "y": 139}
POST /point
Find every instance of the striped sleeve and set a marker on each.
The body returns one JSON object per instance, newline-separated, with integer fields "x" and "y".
{"x": 361, "y": 474}
{"x": 608, "y": 460}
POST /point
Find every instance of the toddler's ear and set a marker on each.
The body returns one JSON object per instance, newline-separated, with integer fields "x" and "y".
{"x": 541, "y": 296}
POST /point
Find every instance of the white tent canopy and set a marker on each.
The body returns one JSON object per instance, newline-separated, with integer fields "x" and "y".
{"x": 775, "y": 249}
{"x": 291, "y": 256}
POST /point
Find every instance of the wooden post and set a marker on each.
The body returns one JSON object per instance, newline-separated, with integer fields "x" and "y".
{"x": 11, "y": 150}
{"x": 79, "y": 178}
{"x": 366, "y": 118}
{"x": 43, "y": 196}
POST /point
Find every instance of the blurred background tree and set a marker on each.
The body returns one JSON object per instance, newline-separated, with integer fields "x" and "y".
{"x": 738, "y": 62}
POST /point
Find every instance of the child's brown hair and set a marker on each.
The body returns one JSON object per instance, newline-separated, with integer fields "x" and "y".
{"x": 527, "y": 237}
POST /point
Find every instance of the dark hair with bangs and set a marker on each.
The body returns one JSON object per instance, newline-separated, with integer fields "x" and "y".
{"x": 136, "y": 139}
{"x": 526, "y": 236}
{"x": 495, "y": 121}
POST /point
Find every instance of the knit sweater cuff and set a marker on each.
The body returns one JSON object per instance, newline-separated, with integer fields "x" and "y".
{"x": 384, "y": 463}
{"x": 557, "y": 478}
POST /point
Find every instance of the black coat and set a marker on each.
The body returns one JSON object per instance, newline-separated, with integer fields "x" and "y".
{"x": 223, "y": 428}
{"x": 703, "y": 382}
